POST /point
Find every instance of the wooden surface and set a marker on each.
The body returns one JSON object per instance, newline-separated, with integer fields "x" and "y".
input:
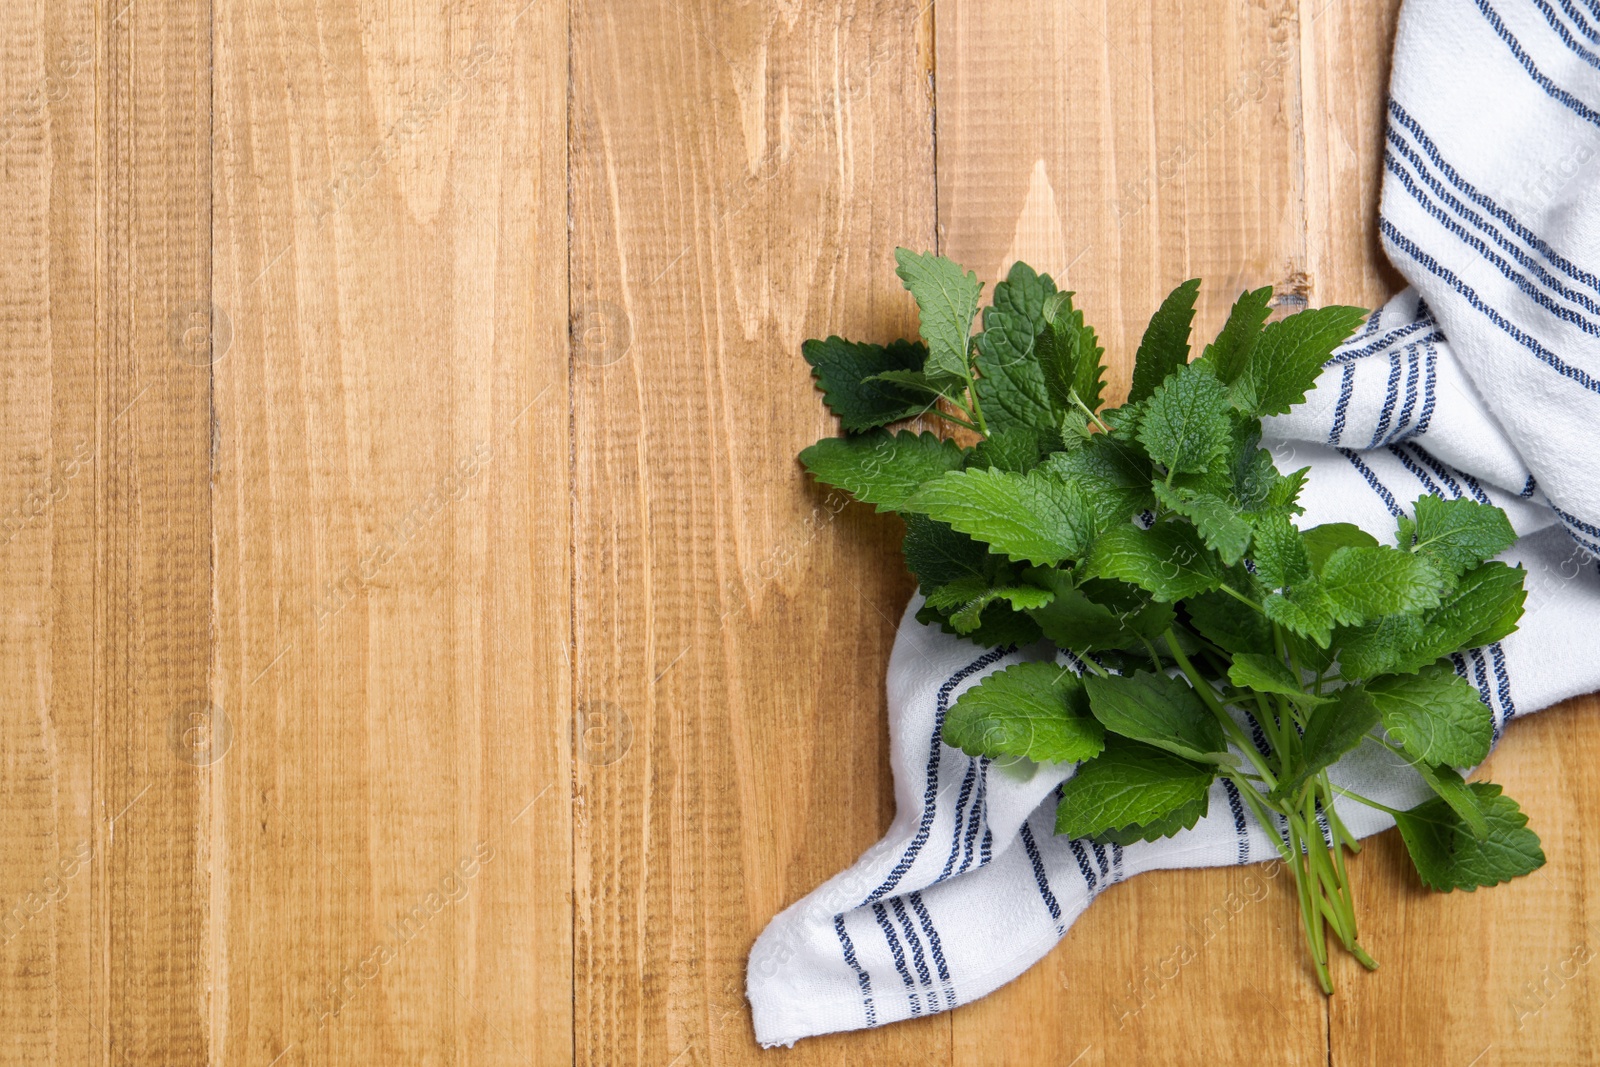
{"x": 420, "y": 645}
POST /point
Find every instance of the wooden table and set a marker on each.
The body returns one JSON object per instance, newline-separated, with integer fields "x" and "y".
{"x": 420, "y": 644}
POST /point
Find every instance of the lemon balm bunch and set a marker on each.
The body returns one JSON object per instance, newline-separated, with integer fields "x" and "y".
{"x": 1206, "y": 635}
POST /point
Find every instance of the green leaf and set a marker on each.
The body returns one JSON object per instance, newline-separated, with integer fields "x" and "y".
{"x": 938, "y": 555}
{"x": 1453, "y": 789}
{"x": 1268, "y": 674}
{"x": 879, "y": 468}
{"x": 848, "y": 373}
{"x": 1218, "y": 520}
{"x": 1333, "y": 729}
{"x": 998, "y": 626}
{"x": 1169, "y": 560}
{"x": 1448, "y": 856}
{"x": 1185, "y": 423}
{"x": 1322, "y": 541}
{"x": 1129, "y": 784}
{"x": 1304, "y": 609}
{"x": 1456, "y": 534}
{"x": 1288, "y": 356}
{"x": 1165, "y": 346}
{"x": 1017, "y": 449}
{"x": 1117, "y": 616}
{"x": 1033, "y": 517}
{"x": 1010, "y": 386}
{"x": 1181, "y": 818}
{"x": 1035, "y": 710}
{"x": 1230, "y": 353}
{"x": 1069, "y": 355}
{"x": 1159, "y": 710}
{"x": 1484, "y": 607}
{"x": 1364, "y": 583}
{"x": 947, "y": 299}
{"x": 1222, "y": 620}
{"x": 1113, "y": 474}
{"x": 1281, "y": 555}
{"x": 1382, "y": 646}
{"x": 1435, "y": 715}
{"x": 965, "y": 600}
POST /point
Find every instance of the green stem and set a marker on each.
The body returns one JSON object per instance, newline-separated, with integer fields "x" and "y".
{"x": 1358, "y": 798}
{"x": 1209, "y": 697}
{"x": 1076, "y": 399}
{"x": 1241, "y": 598}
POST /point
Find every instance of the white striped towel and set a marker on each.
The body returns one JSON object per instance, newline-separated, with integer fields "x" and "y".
{"x": 1489, "y": 211}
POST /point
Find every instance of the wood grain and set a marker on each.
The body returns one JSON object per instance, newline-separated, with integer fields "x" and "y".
{"x": 421, "y": 644}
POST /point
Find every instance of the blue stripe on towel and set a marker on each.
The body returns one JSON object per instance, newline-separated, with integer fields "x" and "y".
{"x": 1471, "y": 192}
{"x": 1536, "y": 290}
{"x": 1042, "y": 879}
{"x": 1372, "y": 480}
{"x": 1545, "y": 356}
{"x": 1236, "y": 804}
{"x": 935, "y": 946}
{"x": 861, "y": 975}
{"x": 1554, "y": 91}
{"x": 930, "y": 792}
{"x": 899, "y": 955}
{"x": 917, "y": 958}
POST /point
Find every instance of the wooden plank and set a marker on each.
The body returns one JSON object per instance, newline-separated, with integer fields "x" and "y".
{"x": 154, "y": 586}
{"x": 391, "y": 820}
{"x": 740, "y": 178}
{"x": 1125, "y": 148}
{"x": 51, "y": 841}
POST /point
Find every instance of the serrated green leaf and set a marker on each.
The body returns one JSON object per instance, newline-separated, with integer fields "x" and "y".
{"x": 938, "y": 555}
{"x": 1435, "y": 715}
{"x": 1366, "y": 583}
{"x": 1182, "y": 818}
{"x": 1304, "y": 609}
{"x": 1016, "y": 448}
{"x": 1184, "y": 425}
{"x": 1280, "y": 554}
{"x": 947, "y": 299}
{"x": 1448, "y": 856}
{"x": 998, "y": 626}
{"x": 1235, "y": 627}
{"x": 1125, "y": 618}
{"x": 1113, "y": 474}
{"x": 1288, "y": 356}
{"x": 1218, "y": 520}
{"x": 1333, "y": 729}
{"x": 1484, "y": 607}
{"x": 1268, "y": 674}
{"x": 1069, "y": 355}
{"x": 1456, "y": 534}
{"x": 1230, "y": 353}
{"x": 1165, "y": 346}
{"x": 1322, "y": 541}
{"x": 880, "y": 468}
{"x": 1010, "y": 386}
{"x": 1158, "y": 710}
{"x": 1035, "y": 710}
{"x": 1382, "y": 646}
{"x": 1169, "y": 560}
{"x": 965, "y": 599}
{"x": 1129, "y": 784}
{"x": 1032, "y": 518}
{"x": 1451, "y": 788}
{"x": 850, "y": 376}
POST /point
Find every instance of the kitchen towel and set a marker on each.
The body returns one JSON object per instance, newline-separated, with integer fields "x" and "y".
{"x": 1482, "y": 380}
